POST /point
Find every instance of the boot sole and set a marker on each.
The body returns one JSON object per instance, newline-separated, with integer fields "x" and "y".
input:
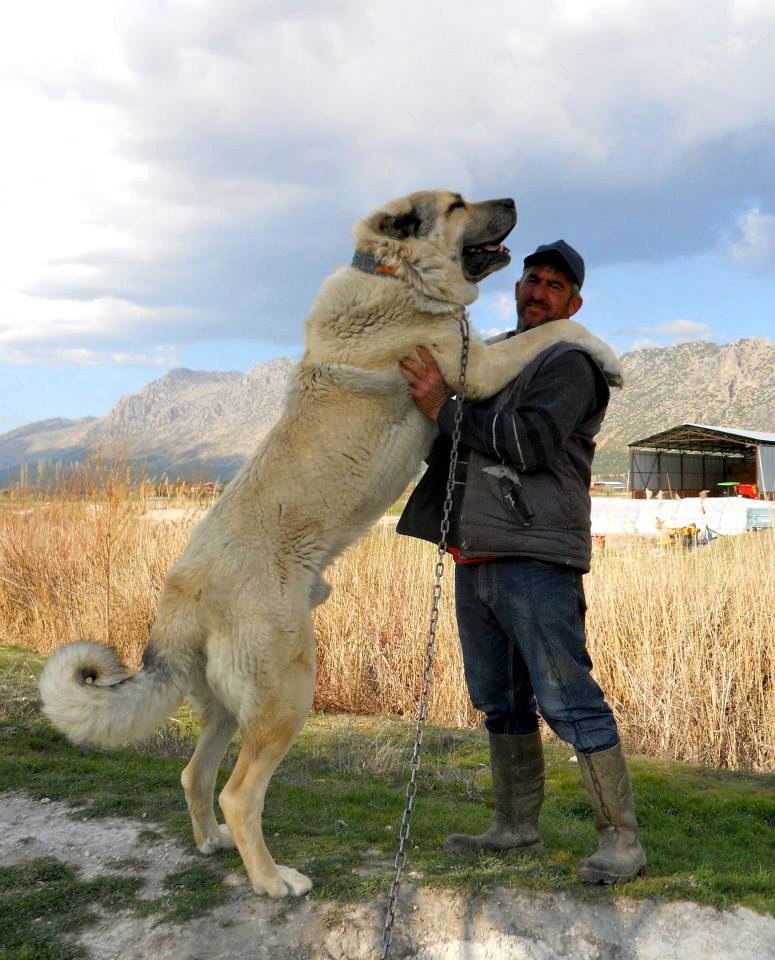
{"x": 600, "y": 876}
{"x": 466, "y": 846}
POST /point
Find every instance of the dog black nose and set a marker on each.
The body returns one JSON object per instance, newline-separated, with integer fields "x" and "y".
{"x": 506, "y": 202}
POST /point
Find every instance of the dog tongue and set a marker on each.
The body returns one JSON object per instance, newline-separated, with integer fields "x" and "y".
{"x": 494, "y": 248}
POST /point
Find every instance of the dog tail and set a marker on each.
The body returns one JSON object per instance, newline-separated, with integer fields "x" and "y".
{"x": 89, "y": 695}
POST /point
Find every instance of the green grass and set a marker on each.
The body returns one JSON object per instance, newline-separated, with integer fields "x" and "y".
{"x": 43, "y": 901}
{"x": 335, "y": 804}
{"x": 187, "y": 893}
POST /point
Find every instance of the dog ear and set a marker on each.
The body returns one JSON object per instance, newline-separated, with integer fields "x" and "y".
{"x": 400, "y": 226}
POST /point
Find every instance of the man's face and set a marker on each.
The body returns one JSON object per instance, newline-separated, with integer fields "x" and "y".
{"x": 543, "y": 294}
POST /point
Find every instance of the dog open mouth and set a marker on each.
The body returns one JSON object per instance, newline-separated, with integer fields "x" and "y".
{"x": 481, "y": 259}
{"x": 482, "y": 248}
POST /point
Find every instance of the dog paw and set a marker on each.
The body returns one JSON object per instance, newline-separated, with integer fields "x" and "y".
{"x": 297, "y": 883}
{"x": 209, "y": 845}
{"x": 222, "y": 841}
{"x": 287, "y": 882}
{"x": 612, "y": 367}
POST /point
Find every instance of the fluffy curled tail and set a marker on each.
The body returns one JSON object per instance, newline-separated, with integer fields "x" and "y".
{"x": 89, "y": 696}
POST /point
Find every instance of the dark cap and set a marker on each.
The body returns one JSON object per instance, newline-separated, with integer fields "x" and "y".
{"x": 562, "y": 256}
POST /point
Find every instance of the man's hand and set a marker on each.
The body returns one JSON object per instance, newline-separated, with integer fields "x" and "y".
{"x": 426, "y": 384}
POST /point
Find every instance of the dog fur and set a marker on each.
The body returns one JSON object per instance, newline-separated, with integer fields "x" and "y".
{"x": 233, "y": 632}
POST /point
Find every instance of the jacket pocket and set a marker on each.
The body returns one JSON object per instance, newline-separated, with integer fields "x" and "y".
{"x": 512, "y": 493}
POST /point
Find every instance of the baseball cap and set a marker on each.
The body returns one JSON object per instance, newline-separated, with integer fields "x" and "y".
{"x": 561, "y": 255}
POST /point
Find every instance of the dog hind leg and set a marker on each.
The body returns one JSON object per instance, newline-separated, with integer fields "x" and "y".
{"x": 320, "y": 592}
{"x": 264, "y": 743}
{"x": 198, "y": 778}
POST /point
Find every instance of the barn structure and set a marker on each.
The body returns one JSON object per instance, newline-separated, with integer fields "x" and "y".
{"x": 694, "y": 457}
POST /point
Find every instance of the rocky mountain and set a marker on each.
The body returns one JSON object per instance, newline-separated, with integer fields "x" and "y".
{"x": 188, "y": 423}
{"x": 203, "y": 425}
{"x": 731, "y": 385}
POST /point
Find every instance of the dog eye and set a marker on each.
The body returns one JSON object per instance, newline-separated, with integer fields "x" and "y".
{"x": 456, "y": 205}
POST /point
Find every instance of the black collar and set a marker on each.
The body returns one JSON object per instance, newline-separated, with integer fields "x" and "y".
{"x": 369, "y": 264}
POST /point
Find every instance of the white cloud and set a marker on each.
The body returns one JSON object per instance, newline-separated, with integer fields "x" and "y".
{"x": 486, "y": 332}
{"x": 46, "y": 354}
{"x": 504, "y": 307}
{"x": 203, "y": 155}
{"x": 673, "y": 331}
{"x": 680, "y": 329}
{"x": 756, "y": 244}
{"x": 34, "y": 329}
{"x": 160, "y": 357}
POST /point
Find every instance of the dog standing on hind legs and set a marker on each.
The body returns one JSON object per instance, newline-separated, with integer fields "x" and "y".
{"x": 233, "y": 631}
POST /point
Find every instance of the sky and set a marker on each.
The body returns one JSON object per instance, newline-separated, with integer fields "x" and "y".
{"x": 178, "y": 176}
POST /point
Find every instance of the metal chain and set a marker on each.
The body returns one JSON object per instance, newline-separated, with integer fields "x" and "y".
{"x": 411, "y": 787}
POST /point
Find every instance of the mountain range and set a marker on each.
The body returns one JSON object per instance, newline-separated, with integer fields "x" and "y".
{"x": 726, "y": 385}
{"x": 202, "y": 425}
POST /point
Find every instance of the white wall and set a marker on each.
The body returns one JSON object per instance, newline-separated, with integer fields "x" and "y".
{"x": 723, "y": 515}
{"x": 765, "y": 469}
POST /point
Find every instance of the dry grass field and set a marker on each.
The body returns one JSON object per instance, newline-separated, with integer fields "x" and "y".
{"x": 683, "y": 641}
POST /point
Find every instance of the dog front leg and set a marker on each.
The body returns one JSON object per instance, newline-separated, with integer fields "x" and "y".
{"x": 491, "y": 367}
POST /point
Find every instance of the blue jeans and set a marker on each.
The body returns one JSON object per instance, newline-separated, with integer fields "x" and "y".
{"x": 521, "y": 624}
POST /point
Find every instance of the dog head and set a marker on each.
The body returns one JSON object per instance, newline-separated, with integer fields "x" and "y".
{"x": 438, "y": 242}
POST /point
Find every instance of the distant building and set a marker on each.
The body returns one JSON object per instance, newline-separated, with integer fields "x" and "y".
{"x": 696, "y": 458}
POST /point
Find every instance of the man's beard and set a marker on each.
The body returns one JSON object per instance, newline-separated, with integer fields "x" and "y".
{"x": 523, "y": 325}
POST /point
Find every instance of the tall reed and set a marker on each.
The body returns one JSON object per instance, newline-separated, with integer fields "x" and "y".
{"x": 683, "y": 641}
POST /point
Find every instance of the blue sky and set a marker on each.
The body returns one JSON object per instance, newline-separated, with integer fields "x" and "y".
{"x": 178, "y": 177}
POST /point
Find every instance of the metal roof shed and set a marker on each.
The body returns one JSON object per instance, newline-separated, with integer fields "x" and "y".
{"x": 692, "y": 457}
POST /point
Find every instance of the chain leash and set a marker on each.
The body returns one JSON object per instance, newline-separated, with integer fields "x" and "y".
{"x": 411, "y": 787}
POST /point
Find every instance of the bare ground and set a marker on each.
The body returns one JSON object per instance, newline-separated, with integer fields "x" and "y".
{"x": 430, "y": 925}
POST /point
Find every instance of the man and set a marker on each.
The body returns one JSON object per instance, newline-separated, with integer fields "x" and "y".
{"x": 520, "y": 536}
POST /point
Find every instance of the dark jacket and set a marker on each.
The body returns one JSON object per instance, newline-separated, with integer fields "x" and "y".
{"x": 522, "y": 486}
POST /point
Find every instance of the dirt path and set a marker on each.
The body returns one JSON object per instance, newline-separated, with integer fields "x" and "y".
{"x": 430, "y": 925}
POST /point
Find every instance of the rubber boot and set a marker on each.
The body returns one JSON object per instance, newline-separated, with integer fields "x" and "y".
{"x": 517, "y": 764}
{"x": 619, "y": 857}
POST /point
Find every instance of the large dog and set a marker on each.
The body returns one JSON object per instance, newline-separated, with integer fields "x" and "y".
{"x": 233, "y": 631}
